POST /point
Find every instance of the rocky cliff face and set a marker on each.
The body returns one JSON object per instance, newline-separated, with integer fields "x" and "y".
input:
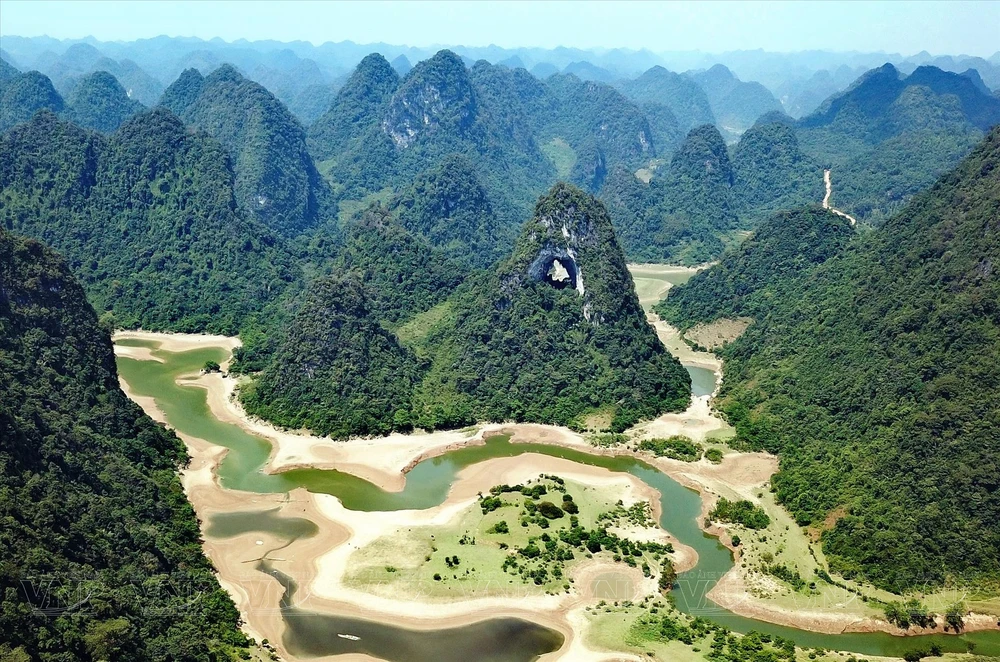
{"x": 436, "y": 94}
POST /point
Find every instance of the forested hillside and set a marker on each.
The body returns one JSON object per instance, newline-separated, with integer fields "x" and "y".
{"x": 148, "y": 220}
{"x": 402, "y": 272}
{"x": 891, "y": 135}
{"x": 747, "y": 279}
{"x": 449, "y": 206}
{"x": 381, "y": 131}
{"x": 515, "y": 133}
{"x": 683, "y": 214}
{"x": 276, "y": 179}
{"x": 7, "y": 71}
{"x": 554, "y": 334}
{"x": 102, "y": 556}
{"x": 24, "y": 94}
{"x": 771, "y": 172}
{"x": 876, "y": 377}
{"x": 601, "y": 127}
{"x": 100, "y": 102}
{"x": 355, "y": 112}
{"x": 336, "y": 371}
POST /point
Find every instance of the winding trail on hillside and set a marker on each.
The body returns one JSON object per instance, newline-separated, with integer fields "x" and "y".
{"x": 826, "y": 199}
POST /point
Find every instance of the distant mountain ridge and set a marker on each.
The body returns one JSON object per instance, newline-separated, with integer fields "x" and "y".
{"x": 735, "y": 104}
{"x": 875, "y": 94}
{"x": 890, "y": 135}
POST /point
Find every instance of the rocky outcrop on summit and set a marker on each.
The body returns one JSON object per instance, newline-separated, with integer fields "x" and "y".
{"x": 568, "y": 233}
{"x": 437, "y": 93}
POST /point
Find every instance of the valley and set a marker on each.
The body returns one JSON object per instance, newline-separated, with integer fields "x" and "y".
{"x": 321, "y": 513}
{"x": 319, "y": 350}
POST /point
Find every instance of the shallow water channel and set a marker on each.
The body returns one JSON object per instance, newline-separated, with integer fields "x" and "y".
{"x": 427, "y": 485}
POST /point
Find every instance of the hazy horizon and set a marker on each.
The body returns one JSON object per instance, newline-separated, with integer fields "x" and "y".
{"x": 904, "y": 28}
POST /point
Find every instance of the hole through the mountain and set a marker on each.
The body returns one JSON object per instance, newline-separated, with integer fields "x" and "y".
{"x": 558, "y": 275}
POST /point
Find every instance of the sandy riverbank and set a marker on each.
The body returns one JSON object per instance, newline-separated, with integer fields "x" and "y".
{"x": 319, "y": 561}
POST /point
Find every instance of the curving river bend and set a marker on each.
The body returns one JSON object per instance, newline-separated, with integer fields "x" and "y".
{"x": 503, "y": 640}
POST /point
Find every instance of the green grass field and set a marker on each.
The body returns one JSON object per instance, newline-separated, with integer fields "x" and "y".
{"x": 407, "y": 560}
{"x": 562, "y": 156}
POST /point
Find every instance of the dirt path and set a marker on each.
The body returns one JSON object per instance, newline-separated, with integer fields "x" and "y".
{"x": 826, "y": 199}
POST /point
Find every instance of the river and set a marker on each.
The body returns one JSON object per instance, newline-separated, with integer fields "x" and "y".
{"x": 185, "y": 409}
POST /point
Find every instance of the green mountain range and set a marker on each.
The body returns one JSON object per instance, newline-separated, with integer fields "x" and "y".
{"x": 99, "y": 102}
{"x": 336, "y": 370}
{"x": 148, "y": 220}
{"x": 771, "y": 171}
{"x": 276, "y": 179}
{"x": 683, "y": 214}
{"x": 554, "y": 333}
{"x": 680, "y": 94}
{"x": 890, "y": 136}
{"x": 92, "y": 505}
{"x": 381, "y": 132}
{"x": 517, "y": 134}
{"x": 23, "y": 94}
{"x": 875, "y": 376}
{"x": 735, "y": 104}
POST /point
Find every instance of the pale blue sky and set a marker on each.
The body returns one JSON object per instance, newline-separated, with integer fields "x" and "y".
{"x": 898, "y": 26}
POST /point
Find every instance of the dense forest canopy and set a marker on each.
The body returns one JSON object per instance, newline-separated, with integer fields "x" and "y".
{"x": 276, "y": 179}
{"x": 684, "y": 214}
{"x": 336, "y": 371}
{"x": 100, "y": 102}
{"x": 148, "y": 220}
{"x": 91, "y": 503}
{"x": 876, "y": 377}
{"x": 450, "y": 207}
{"x": 24, "y": 94}
{"x": 403, "y": 273}
{"x": 747, "y": 279}
{"x": 771, "y": 172}
{"x": 554, "y": 333}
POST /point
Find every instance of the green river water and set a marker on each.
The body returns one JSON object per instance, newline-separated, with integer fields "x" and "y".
{"x": 427, "y": 485}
